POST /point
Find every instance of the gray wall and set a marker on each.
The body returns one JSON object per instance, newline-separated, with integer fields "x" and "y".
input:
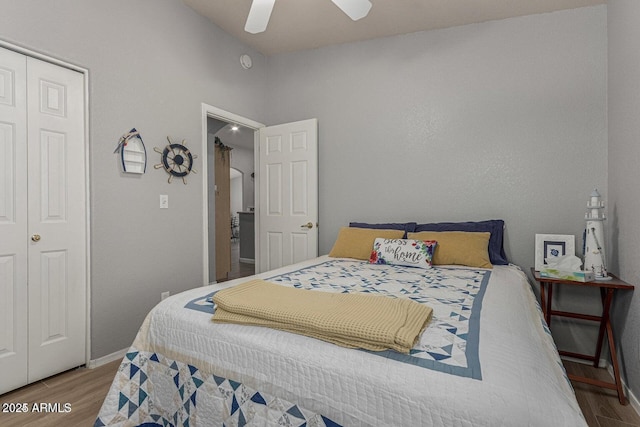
{"x": 236, "y": 194}
{"x": 624, "y": 176}
{"x": 152, "y": 63}
{"x": 243, "y": 160}
{"x": 505, "y": 119}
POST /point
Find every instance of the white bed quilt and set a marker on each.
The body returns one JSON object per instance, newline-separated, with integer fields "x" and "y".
{"x": 486, "y": 359}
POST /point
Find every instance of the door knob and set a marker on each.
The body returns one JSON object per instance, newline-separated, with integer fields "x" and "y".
{"x": 307, "y": 225}
{"x": 35, "y": 237}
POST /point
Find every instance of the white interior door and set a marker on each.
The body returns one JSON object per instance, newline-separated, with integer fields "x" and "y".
{"x": 13, "y": 220}
{"x": 57, "y": 260}
{"x": 288, "y": 180}
{"x": 42, "y": 220}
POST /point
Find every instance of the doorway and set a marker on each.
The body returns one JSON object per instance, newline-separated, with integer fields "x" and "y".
{"x": 289, "y": 191}
{"x": 231, "y": 158}
{"x": 240, "y": 143}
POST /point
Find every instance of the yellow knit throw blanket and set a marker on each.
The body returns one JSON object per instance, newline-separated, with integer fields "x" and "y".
{"x": 355, "y": 320}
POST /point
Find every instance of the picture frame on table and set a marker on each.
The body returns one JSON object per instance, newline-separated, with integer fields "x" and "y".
{"x": 553, "y": 245}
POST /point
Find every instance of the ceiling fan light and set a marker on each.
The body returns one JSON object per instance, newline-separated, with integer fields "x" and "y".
{"x": 259, "y": 15}
{"x": 355, "y": 9}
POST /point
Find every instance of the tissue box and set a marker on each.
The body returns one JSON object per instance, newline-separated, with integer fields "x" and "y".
{"x": 575, "y": 276}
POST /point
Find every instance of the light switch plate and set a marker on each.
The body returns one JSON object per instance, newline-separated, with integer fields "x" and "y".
{"x": 164, "y": 201}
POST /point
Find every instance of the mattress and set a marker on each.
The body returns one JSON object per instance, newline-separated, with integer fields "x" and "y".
{"x": 486, "y": 359}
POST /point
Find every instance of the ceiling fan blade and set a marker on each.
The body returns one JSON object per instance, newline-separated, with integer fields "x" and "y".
{"x": 259, "y": 15}
{"x": 355, "y": 9}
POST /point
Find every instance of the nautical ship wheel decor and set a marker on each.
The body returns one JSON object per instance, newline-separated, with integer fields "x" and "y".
{"x": 177, "y": 160}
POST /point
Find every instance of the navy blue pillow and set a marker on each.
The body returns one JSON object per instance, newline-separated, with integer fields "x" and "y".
{"x": 408, "y": 227}
{"x": 493, "y": 226}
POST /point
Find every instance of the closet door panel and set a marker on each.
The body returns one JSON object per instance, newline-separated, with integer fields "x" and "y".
{"x": 57, "y": 222}
{"x": 53, "y": 177}
{"x": 13, "y": 221}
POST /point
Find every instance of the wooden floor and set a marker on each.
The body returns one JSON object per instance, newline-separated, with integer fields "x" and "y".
{"x": 600, "y": 406}
{"x": 238, "y": 269}
{"x": 85, "y": 389}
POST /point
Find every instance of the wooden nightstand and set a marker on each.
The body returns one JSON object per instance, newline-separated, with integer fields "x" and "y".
{"x": 607, "y": 289}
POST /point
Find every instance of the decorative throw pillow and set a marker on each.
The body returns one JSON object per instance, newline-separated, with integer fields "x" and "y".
{"x": 458, "y": 247}
{"x": 497, "y": 253}
{"x": 408, "y": 227}
{"x": 411, "y": 253}
{"x": 357, "y": 242}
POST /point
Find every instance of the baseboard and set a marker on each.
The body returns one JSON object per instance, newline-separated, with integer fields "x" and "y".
{"x": 603, "y": 362}
{"x": 118, "y": 355}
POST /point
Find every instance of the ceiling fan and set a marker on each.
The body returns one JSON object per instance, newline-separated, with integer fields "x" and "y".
{"x": 260, "y": 12}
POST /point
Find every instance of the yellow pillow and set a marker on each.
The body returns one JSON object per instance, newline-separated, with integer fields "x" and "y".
{"x": 358, "y": 242}
{"x": 458, "y": 247}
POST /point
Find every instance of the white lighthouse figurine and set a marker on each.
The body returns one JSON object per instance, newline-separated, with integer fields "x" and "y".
{"x": 594, "y": 253}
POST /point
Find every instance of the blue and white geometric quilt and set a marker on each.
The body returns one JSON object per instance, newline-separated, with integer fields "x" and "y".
{"x": 450, "y": 341}
{"x": 183, "y": 370}
{"x": 155, "y": 391}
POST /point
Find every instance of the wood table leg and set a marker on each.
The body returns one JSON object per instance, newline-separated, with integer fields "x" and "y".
{"x": 606, "y": 305}
{"x": 549, "y": 298}
{"x": 616, "y": 368}
{"x": 612, "y": 346}
{"x": 543, "y": 301}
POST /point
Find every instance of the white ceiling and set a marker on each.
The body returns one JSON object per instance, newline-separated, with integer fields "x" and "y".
{"x": 241, "y": 138}
{"x": 306, "y": 24}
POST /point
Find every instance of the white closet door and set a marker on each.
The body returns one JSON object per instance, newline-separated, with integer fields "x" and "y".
{"x": 13, "y": 221}
{"x": 57, "y": 219}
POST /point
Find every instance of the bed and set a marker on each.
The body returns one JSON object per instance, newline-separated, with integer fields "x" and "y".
{"x": 486, "y": 358}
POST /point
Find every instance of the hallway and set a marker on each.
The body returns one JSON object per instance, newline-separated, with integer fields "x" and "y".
{"x": 238, "y": 269}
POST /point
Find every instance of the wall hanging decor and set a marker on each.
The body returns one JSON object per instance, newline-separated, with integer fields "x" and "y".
{"x": 177, "y": 160}
{"x": 133, "y": 154}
